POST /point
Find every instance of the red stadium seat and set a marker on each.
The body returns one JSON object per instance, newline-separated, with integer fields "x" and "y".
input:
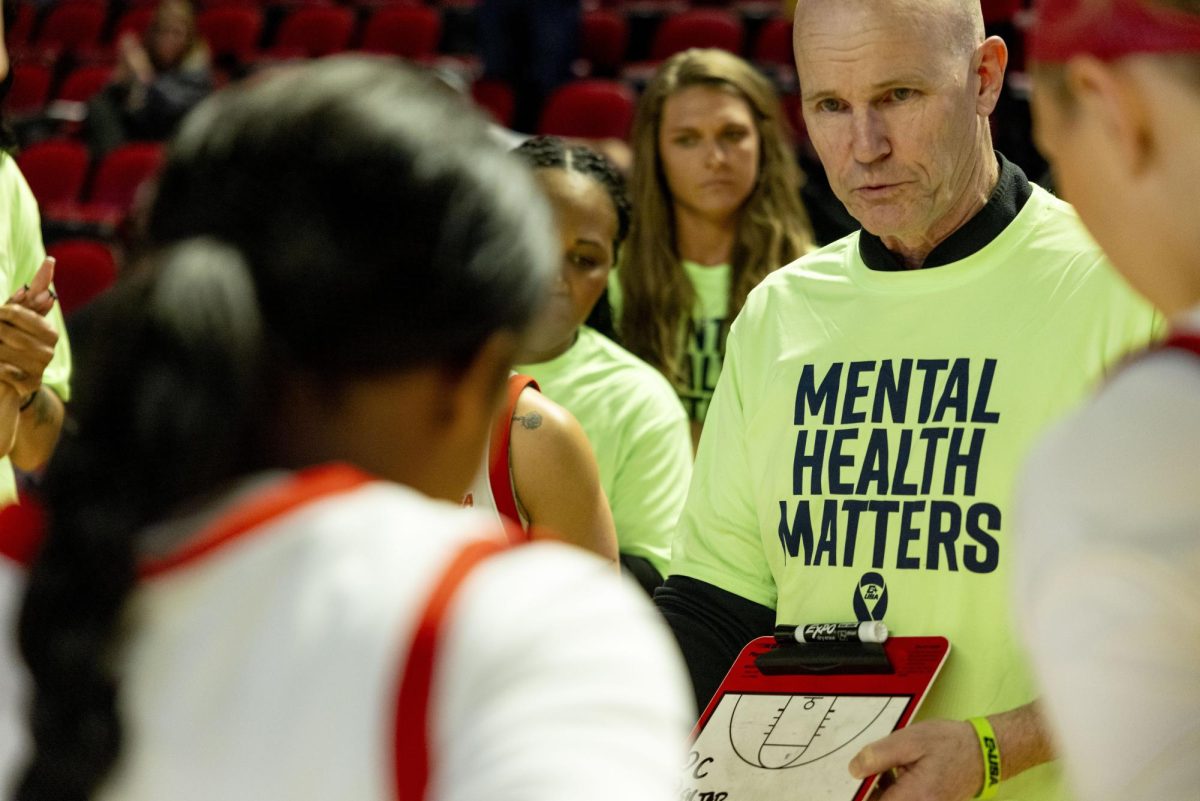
{"x": 312, "y": 32}
{"x": 697, "y": 28}
{"x": 84, "y": 268}
{"x": 496, "y": 97}
{"x": 135, "y": 20}
{"x": 604, "y": 40}
{"x": 231, "y": 31}
{"x": 74, "y": 25}
{"x": 412, "y": 32}
{"x": 30, "y": 90}
{"x": 774, "y": 43}
{"x": 123, "y": 171}
{"x": 794, "y": 117}
{"x": 83, "y": 83}
{"x": 55, "y": 170}
{"x": 589, "y": 109}
{"x": 207, "y": 4}
{"x": 1000, "y": 10}
{"x": 114, "y": 188}
{"x": 23, "y": 25}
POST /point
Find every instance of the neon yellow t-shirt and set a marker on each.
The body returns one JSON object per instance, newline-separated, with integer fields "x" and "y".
{"x": 638, "y": 432}
{"x": 702, "y": 338}
{"x": 862, "y": 446}
{"x": 706, "y": 329}
{"x": 21, "y": 253}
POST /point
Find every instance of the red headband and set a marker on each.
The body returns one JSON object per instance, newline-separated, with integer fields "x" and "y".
{"x": 1109, "y": 30}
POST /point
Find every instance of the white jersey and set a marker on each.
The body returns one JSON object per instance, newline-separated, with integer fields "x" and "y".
{"x": 1109, "y": 554}
{"x": 269, "y": 654}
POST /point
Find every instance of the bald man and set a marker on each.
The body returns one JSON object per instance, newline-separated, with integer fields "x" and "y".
{"x": 880, "y": 394}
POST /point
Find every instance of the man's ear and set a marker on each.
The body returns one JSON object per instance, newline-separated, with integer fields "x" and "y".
{"x": 991, "y": 60}
{"x": 1111, "y": 97}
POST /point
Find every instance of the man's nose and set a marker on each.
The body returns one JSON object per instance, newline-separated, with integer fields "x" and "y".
{"x": 870, "y": 137}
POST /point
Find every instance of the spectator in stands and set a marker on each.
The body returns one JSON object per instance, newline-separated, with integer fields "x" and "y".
{"x": 630, "y": 413}
{"x": 716, "y": 193}
{"x": 531, "y": 44}
{"x": 283, "y": 407}
{"x": 158, "y": 79}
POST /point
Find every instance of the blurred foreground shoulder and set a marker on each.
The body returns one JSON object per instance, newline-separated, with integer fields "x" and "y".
{"x": 562, "y": 681}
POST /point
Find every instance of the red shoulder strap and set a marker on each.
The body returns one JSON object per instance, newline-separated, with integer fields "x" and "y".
{"x": 245, "y": 519}
{"x": 22, "y": 527}
{"x": 412, "y": 758}
{"x": 499, "y": 467}
{"x": 1184, "y": 340}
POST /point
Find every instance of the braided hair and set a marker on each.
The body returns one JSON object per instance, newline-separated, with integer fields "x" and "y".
{"x": 550, "y": 152}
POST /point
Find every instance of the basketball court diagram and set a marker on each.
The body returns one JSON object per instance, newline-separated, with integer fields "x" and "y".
{"x": 774, "y": 744}
{"x": 801, "y": 729}
{"x": 788, "y": 719}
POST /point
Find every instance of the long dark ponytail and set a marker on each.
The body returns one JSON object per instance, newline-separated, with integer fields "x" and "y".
{"x": 173, "y": 393}
{"x": 340, "y": 220}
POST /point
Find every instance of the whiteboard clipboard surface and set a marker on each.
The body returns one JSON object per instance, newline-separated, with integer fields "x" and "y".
{"x": 781, "y": 737}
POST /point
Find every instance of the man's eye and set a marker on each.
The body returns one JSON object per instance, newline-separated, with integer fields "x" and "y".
{"x": 829, "y": 104}
{"x": 903, "y": 93}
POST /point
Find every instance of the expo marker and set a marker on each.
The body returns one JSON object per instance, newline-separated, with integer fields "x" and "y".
{"x": 874, "y": 631}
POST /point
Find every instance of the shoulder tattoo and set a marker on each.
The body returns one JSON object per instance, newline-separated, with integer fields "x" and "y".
{"x": 529, "y": 421}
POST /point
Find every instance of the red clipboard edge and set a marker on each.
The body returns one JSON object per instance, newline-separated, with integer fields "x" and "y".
{"x": 745, "y": 677}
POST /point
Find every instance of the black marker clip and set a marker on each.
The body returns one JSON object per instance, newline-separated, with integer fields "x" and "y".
{"x": 845, "y": 658}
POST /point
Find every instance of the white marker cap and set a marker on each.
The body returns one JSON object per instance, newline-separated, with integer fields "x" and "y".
{"x": 872, "y": 631}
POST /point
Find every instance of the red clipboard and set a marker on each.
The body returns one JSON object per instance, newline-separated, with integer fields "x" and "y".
{"x": 791, "y": 736}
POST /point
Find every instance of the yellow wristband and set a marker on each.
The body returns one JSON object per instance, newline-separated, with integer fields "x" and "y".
{"x": 990, "y": 748}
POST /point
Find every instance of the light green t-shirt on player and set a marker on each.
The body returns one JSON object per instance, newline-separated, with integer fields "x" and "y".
{"x": 861, "y": 449}
{"x": 705, "y": 332}
{"x": 638, "y": 432}
{"x": 21, "y": 253}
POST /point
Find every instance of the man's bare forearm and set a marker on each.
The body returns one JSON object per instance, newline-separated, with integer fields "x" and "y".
{"x": 1024, "y": 738}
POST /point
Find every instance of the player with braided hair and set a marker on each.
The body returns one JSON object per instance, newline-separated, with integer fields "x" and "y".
{"x": 633, "y": 419}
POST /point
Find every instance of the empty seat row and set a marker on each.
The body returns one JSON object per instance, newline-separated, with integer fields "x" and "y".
{"x": 72, "y": 191}
{"x": 75, "y": 27}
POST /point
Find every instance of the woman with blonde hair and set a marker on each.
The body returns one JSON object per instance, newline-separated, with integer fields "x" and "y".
{"x": 716, "y": 194}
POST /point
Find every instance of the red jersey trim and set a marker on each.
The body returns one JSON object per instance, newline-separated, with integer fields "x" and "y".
{"x": 299, "y": 489}
{"x": 499, "y": 451}
{"x": 1184, "y": 341}
{"x": 412, "y": 722}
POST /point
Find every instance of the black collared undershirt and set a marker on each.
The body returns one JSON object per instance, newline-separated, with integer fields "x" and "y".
{"x": 1006, "y": 201}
